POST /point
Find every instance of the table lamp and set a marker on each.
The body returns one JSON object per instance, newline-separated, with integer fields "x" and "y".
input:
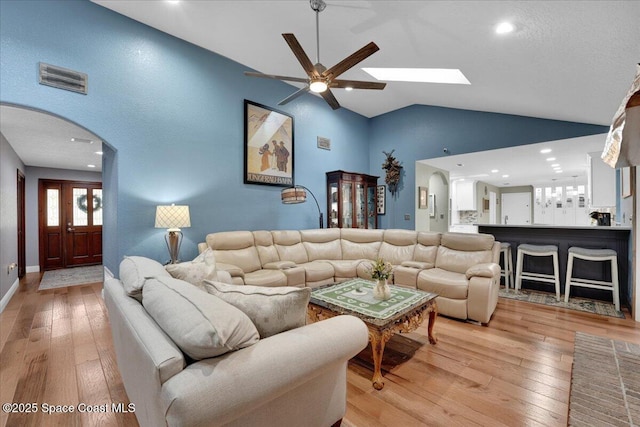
{"x": 173, "y": 218}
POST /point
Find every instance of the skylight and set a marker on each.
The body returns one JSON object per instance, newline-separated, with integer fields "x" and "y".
{"x": 421, "y": 75}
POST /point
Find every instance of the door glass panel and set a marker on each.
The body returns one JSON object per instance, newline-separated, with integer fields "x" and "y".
{"x": 53, "y": 207}
{"x": 333, "y": 214}
{"x": 371, "y": 207}
{"x": 97, "y": 206}
{"x": 80, "y": 207}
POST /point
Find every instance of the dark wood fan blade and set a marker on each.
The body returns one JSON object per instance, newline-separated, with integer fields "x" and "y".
{"x": 331, "y": 100}
{"x": 351, "y": 60}
{"x": 304, "y": 60}
{"x": 294, "y": 95}
{"x": 356, "y": 84}
{"x": 273, "y": 76}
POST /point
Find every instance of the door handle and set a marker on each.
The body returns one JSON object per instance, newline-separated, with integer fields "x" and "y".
{"x": 71, "y": 229}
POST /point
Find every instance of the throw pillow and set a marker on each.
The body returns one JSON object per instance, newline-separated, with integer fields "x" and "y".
{"x": 195, "y": 272}
{"x": 135, "y": 270}
{"x": 272, "y": 310}
{"x": 202, "y": 325}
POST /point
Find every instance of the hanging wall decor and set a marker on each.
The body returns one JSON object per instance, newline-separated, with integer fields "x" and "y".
{"x": 393, "y": 168}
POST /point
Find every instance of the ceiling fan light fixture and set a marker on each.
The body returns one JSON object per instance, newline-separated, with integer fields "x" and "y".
{"x": 318, "y": 86}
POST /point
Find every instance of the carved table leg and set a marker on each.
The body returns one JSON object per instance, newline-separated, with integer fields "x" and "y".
{"x": 378, "y": 341}
{"x": 433, "y": 313}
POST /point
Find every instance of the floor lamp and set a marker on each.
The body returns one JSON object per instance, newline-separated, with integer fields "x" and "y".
{"x": 173, "y": 218}
{"x": 298, "y": 194}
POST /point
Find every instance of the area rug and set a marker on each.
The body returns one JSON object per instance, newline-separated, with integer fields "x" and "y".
{"x": 71, "y": 277}
{"x": 605, "y": 382}
{"x": 591, "y": 306}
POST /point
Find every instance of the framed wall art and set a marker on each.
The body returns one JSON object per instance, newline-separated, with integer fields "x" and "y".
{"x": 380, "y": 194}
{"x": 422, "y": 197}
{"x": 268, "y": 146}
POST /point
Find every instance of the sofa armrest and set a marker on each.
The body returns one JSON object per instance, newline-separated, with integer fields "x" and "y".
{"x": 417, "y": 264}
{"x": 279, "y": 265}
{"x": 223, "y": 276}
{"x": 254, "y": 376}
{"x": 233, "y": 270}
{"x": 202, "y": 246}
{"x": 489, "y": 270}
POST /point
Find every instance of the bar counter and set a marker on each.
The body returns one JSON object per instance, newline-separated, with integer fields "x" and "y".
{"x": 564, "y": 237}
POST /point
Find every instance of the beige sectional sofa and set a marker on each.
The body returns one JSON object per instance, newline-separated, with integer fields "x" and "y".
{"x": 461, "y": 268}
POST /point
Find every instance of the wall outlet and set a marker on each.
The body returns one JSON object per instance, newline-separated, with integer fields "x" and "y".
{"x": 407, "y": 217}
{"x": 11, "y": 267}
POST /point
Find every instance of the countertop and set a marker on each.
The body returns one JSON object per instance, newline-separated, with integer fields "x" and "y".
{"x": 571, "y": 227}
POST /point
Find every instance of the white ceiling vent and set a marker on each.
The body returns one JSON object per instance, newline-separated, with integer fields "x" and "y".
{"x": 63, "y": 78}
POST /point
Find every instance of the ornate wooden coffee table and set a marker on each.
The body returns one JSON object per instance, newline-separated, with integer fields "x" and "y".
{"x": 403, "y": 312}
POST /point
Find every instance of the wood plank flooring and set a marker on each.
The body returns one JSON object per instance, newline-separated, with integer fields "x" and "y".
{"x": 56, "y": 348}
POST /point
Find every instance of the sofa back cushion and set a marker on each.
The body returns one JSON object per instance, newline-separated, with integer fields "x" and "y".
{"x": 322, "y": 244}
{"x": 202, "y": 325}
{"x": 427, "y": 247}
{"x": 398, "y": 246}
{"x": 134, "y": 272}
{"x": 459, "y": 251}
{"x": 289, "y": 245}
{"x": 266, "y": 249}
{"x": 235, "y": 248}
{"x": 360, "y": 244}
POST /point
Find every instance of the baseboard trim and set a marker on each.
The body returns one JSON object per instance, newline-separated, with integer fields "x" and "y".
{"x": 33, "y": 269}
{"x": 7, "y": 297}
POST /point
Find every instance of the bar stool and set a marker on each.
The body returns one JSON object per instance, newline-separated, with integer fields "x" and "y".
{"x": 601, "y": 255}
{"x": 507, "y": 269}
{"x": 538, "y": 250}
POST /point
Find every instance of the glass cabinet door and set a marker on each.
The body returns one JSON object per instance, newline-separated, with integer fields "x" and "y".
{"x": 360, "y": 206}
{"x": 347, "y": 205}
{"x": 333, "y": 213}
{"x": 371, "y": 207}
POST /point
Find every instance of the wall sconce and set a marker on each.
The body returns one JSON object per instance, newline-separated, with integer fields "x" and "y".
{"x": 298, "y": 194}
{"x": 173, "y": 218}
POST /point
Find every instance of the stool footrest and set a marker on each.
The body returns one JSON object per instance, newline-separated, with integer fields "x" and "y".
{"x": 594, "y": 284}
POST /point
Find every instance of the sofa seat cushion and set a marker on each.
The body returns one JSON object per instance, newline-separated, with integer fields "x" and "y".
{"x": 134, "y": 272}
{"x": 444, "y": 283}
{"x": 317, "y": 271}
{"x": 347, "y": 268}
{"x": 266, "y": 278}
{"x": 202, "y": 325}
{"x": 272, "y": 310}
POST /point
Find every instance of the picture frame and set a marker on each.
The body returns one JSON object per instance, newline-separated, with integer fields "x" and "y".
{"x": 423, "y": 201}
{"x": 625, "y": 181}
{"x": 268, "y": 145}
{"x": 381, "y": 191}
{"x": 432, "y": 205}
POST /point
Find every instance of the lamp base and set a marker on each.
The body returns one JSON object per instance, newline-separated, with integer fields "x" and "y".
{"x": 173, "y": 239}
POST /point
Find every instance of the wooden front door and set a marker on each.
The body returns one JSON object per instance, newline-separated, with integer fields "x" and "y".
{"x": 70, "y": 223}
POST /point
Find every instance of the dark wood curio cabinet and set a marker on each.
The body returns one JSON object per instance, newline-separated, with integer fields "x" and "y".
{"x": 351, "y": 200}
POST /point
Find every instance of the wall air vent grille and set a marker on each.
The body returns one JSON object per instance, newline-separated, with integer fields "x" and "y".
{"x": 63, "y": 78}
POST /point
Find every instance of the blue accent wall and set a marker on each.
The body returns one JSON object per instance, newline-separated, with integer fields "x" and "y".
{"x": 171, "y": 115}
{"x": 423, "y": 132}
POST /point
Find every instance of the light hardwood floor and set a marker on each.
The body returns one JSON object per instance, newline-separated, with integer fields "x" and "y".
{"x": 56, "y": 348}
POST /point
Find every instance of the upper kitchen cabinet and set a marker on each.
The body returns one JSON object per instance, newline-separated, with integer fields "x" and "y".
{"x": 602, "y": 182}
{"x": 465, "y": 196}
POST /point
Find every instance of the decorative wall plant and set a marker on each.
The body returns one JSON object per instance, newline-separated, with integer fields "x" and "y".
{"x": 393, "y": 168}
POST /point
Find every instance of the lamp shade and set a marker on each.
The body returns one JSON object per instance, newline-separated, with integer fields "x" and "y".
{"x": 293, "y": 195}
{"x": 173, "y": 217}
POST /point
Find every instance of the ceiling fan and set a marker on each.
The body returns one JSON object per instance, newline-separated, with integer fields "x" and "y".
{"x": 320, "y": 79}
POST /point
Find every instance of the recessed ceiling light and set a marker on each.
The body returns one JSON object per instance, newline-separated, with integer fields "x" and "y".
{"x": 504, "y": 28}
{"x": 348, "y": 88}
{"x": 555, "y": 165}
{"x": 99, "y": 153}
{"x": 545, "y": 150}
{"x": 86, "y": 141}
{"x": 421, "y": 75}
{"x": 494, "y": 170}
{"x": 551, "y": 159}
{"x": 91, "y": 166}
{"x": 559, "y": 171}
{"x": 505, "y": 176}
